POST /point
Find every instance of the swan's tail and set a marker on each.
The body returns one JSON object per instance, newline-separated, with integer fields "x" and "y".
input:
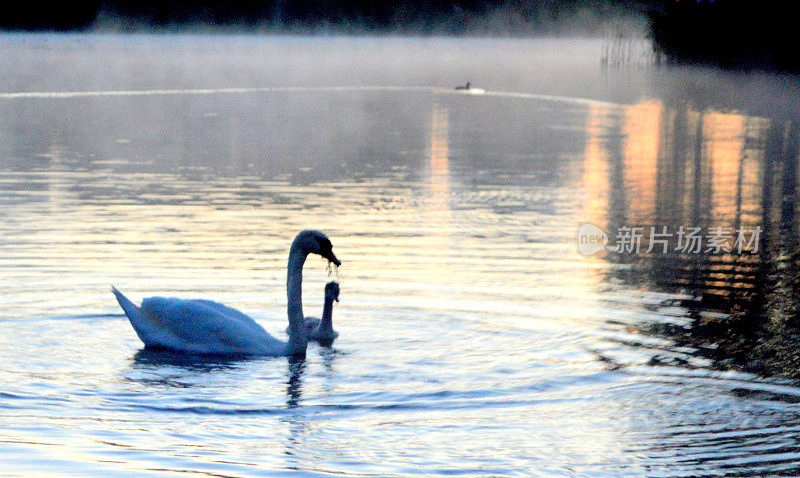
{"x": 134, "y": 313}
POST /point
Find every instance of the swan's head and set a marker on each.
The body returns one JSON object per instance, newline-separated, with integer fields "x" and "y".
{"x": 315, "y": 242}
{"x": 332, "y": 291}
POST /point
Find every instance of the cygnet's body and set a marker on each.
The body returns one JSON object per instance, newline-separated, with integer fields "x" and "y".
{"x": 321, "y": 330}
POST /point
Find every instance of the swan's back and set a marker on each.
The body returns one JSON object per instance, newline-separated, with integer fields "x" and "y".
{"x": 202, "y": 326}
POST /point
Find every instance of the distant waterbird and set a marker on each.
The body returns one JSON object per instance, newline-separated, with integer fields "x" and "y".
{"x": 207, "y": 327}
{"x": 468, "y": 89}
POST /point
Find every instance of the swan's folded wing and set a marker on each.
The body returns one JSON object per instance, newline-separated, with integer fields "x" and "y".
{"x": 230, "y": 313}
{"x": 205, "y": 326}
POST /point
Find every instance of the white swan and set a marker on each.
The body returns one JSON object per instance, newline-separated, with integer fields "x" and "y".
{"x": 321, "y": 330}
{"x": 206, "y": 327}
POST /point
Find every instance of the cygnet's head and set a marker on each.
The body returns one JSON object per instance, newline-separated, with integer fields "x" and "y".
{"x": 315, "y": 242}
{"x": 332, "y": 291}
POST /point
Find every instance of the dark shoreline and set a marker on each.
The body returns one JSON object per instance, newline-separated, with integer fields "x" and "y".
{"x": 438, "y": 17}
{"x": 727, "y": 33}
{"x": 731, "y": 34}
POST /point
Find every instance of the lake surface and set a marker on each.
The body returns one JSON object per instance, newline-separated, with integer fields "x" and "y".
{"x": 475, "y": 338}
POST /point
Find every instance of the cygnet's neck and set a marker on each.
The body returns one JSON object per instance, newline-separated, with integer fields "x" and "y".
{"x": 327, "y": 314}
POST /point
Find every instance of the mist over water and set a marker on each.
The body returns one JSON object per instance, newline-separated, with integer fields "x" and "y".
{"x": 474, "y": 338}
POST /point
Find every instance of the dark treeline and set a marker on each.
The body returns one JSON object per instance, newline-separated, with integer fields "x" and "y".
{"x": 371, "y": 16}
{"x": 722, "y": 32}
{"x": 736, "y": 33}
{"x": 46, "y": 15}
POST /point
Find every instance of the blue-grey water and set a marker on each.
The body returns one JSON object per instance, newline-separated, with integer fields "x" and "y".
{"x": 474, "y": 338}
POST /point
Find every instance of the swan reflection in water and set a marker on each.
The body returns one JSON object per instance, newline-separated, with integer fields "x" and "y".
{"x": 162, "y": 367}
{"x": 153, "y": 358}
{"x": 294, "y": 384}
{"x": 166, "y": 368}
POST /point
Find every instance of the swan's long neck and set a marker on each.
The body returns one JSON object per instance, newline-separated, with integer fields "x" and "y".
{"x": 327, "y": 315}
{"x": 298, "y": 336}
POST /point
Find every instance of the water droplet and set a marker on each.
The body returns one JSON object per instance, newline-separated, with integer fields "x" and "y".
{"x": 333, "y": 271}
